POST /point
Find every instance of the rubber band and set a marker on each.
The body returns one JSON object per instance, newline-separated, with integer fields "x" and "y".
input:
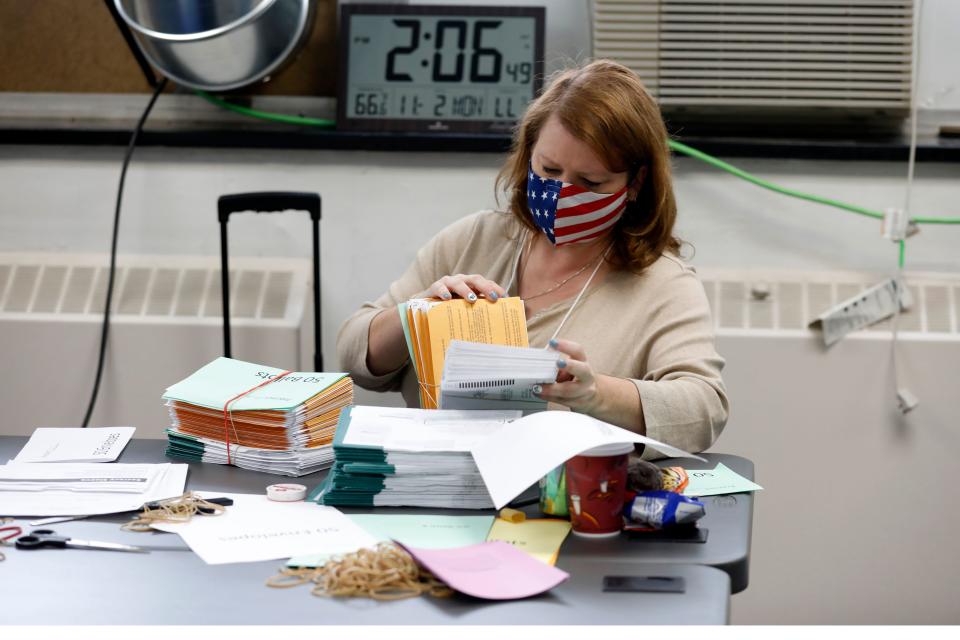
{"x": 7, "y": 534}
{"x": 179, "y": 509}
{"x": 228, "y": 415}
{"x": 385, "y": 573}
{"x": 432, "y": 398}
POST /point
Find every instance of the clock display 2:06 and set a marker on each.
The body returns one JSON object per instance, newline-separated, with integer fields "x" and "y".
{"x": 485, "y": 64}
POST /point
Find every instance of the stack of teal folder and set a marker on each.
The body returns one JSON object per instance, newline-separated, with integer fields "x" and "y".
{"x": 386, "y": 467}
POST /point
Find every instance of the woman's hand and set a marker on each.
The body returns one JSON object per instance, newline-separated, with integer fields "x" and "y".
{"x": 468, "y": 287}
{"x": 579, "y": 387}
{"x": 577, "y": 383}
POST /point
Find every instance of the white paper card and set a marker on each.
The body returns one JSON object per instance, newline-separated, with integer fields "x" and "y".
{"x": 523, "y": 451}
{"x": 84, "y": 489}
{"x": 73, "y": 444}
{"x": 255, "y": 528}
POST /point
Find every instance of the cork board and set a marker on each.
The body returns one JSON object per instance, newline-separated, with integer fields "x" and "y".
{"x": 74, "y": 46}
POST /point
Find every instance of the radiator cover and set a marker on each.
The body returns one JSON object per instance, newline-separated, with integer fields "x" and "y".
{"x": 166, "y": 322}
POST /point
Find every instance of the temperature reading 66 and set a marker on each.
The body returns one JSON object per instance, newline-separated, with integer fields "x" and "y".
{"x": 370, "y": 104}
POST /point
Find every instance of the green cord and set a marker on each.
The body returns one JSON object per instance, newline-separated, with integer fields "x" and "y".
{"x": 720, "y": 164}
{"x": 903, "y": 245}
{"x": 676, "y": 146}
{"x": 264, "y": 115}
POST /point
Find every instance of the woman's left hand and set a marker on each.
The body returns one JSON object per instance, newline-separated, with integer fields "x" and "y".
{"x": 577, "y": 384}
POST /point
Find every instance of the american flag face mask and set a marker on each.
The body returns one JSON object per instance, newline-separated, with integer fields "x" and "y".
{"x": 567, "y": 213}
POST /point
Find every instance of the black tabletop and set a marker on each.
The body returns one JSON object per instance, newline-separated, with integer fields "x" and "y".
{"x": 171, "y": 585}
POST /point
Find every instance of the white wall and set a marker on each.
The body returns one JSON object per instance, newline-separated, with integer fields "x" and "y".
{"x": 938, "y": 83}
{"x": 389, "y": 203}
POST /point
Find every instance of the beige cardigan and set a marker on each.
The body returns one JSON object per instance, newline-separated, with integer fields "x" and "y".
{"x": 653, "y": 328}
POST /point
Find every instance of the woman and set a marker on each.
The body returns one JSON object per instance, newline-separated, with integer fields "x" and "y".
{"x": 587, "y": 242}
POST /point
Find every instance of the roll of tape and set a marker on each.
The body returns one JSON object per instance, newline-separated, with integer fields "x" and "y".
{"x": 286, "y": 492}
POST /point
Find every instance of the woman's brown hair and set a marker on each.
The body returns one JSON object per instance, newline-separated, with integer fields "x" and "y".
{"x": 605, "y": 105}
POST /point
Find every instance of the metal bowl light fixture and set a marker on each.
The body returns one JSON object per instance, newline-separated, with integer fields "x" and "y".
{"x": 216, "y": 45}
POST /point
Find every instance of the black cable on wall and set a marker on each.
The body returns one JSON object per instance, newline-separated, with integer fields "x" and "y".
{"x": 113, "y": 248}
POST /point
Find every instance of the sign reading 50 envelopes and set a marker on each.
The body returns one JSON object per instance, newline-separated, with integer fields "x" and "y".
{"x": 438, "y": 68}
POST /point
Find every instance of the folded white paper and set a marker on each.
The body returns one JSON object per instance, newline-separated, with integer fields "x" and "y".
{"x": 523, "y": 451}
{"x": 73, "y": 444}
{"x": 83, "y": 489}
{"x": 255, "y": 528}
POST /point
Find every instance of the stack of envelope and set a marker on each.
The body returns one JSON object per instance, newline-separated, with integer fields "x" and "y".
{"x": 277, "y": 425}
{"x": 429, "y": 325}
{"x": 389, "y": 457}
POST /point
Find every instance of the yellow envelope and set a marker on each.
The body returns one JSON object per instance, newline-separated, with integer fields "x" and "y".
{"x": 434, "y": 324}
{"x": 539, "y": 537}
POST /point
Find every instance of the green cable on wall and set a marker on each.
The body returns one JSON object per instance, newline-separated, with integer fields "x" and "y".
{"x": 265, "y": 115}
{"x": 740, "y": 173}
{"x": 676, "y": 146}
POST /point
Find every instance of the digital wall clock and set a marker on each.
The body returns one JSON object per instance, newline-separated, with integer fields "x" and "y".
{"x": 438, "y": 68}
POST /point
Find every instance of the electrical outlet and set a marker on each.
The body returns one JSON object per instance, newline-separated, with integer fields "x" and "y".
{"x": 897, "y": 226}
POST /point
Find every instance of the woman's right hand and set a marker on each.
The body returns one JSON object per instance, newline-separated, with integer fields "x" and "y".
{"x": 469, "y": 287}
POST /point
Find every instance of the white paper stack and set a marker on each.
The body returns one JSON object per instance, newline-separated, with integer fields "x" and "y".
{"x": 285, "y": 426}
{"x": 389, "y": 457}
{"x": 457, "y": 459}
{"x": 492, "y": 376}
{"x": 76, "y": 489}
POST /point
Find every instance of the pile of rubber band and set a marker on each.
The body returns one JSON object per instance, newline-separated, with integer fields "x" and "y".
{"x": 385, "y": 573}
{"x": 180, "y": 509}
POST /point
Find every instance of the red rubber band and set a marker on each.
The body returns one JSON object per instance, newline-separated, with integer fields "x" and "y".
{"x": 226, "y": 410}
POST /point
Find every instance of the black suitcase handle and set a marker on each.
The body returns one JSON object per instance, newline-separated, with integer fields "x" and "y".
{"x": 271, "y": 202}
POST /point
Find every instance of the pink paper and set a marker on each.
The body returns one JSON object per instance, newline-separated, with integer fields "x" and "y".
{"x": 490, "y": 570}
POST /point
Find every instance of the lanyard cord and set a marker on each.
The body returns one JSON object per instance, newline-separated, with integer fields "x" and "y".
{"x": 516, "y": 260}
{"x": 579, "y": 295}
{"x": 513, "y": 277}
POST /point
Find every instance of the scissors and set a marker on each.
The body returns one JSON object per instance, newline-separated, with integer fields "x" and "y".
{"x": 48, "y": 538}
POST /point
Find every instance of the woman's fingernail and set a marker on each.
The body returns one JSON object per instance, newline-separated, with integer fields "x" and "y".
{"x": 446, "y": 296}
{"x": 537, "y": 389}
{"x": 472, "y": 297}
{"x": 493, "y": 295}
{"x": 561, "y": 363}
{"x": 553, "y": 343}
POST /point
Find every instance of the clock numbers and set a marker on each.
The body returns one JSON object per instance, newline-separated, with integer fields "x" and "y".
{"x": 485, "y": 62}
{"x": 440, "y": 69}
{"x": 519, "y": 72}
{"x": 442, "y": 27}
{"x": 414, "y": 26}
{"x": 479, "y": 52}
{"x": 370, "y": 104}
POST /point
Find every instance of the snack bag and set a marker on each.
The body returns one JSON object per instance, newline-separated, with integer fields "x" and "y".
{"x": 659, "y": 509}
